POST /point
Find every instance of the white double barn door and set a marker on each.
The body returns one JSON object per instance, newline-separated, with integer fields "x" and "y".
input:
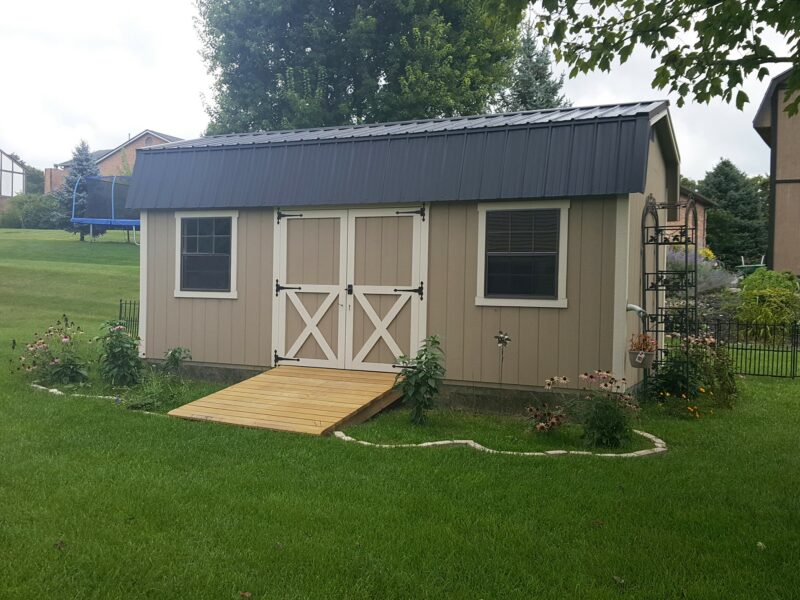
{"x": 350, "y": 287}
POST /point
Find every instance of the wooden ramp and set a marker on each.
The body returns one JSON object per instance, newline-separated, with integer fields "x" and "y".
{"x": 299, "y": 399}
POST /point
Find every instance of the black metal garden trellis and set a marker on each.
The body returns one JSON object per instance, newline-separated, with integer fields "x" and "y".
{"x": 678, "y": 317}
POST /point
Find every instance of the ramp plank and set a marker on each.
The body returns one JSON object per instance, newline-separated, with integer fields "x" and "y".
{"x": 296, "y": 399}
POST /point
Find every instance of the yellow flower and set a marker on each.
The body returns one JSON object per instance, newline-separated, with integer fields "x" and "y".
{"x": 702, "y": 390}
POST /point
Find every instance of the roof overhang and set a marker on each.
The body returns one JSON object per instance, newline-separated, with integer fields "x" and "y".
{"x": 762, "y": 122}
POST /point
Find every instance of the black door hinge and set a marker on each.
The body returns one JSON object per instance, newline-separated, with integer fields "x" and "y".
{"x": 279, "y": 287}
{"x": 276, "y": 358}
{"x": 417, "y": 290}
{"x": 282, "y": 215}
{"x": 419, "y": 211}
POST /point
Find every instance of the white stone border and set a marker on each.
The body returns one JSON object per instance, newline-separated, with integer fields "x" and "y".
{"x": 659, "y": 447}
{"x": 56, "y": 392}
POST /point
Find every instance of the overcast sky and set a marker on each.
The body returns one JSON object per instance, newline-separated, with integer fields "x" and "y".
{"x": 101, "y": 71}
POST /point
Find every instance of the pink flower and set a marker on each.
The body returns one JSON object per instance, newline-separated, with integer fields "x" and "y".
{"x": 65, "y": 339}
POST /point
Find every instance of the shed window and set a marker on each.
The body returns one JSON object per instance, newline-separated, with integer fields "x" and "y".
{"x": 206, "y": 255}
{"x": 522, "y": 254}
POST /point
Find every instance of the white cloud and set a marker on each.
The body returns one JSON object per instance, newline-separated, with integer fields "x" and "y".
{"x": 99, "y": 71}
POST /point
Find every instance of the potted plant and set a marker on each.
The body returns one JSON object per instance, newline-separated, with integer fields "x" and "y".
{"x": 642, "y": 352}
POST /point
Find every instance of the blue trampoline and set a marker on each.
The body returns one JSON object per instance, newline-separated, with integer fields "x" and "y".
{"x": 104, "y": 204}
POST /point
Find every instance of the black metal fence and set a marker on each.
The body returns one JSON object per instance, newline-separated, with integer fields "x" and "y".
{"x": 770, "y": 350}
{"x": 129, "y": 315}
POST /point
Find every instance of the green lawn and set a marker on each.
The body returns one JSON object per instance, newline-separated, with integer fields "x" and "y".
{"x": 101, "y": 502}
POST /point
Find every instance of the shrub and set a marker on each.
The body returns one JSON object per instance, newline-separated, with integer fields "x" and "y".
{"x": 421, "y": 377}
{"x": 174, "y": 358}
{"x": 56, "y": 356}
{"x": 606, "y": 425}
{"x": 119, "y": 363}
{"x": 31, "y": 211}
{"x": 156, "y": 390}
{"x": 710, "y": 275}
{"x": 768, "y": 298}
{"x": 710, "y": 374}
{"x": 546, "y": 417}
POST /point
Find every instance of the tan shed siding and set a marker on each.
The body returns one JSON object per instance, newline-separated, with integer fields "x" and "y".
{"x": 224, "y": 331}
{"x": 545, "y": 341}
{"x": 786, "y": 248}
{"x": 787, "y": 163}
{"x": 656, "y": 183}
{"x": 787, "y": 223}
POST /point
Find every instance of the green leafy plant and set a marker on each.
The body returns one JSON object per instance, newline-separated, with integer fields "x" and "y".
{"x": 174, "y": 359}
{"x": 57, "y": 356}
{"x": 705, "y": 372}
{"x": 421, "y": 377}
{"x": 119, "y": 363}
{"x": 769, "y": 298}
{"x": 156, "y": 390}
{"x": 606, "y": 424}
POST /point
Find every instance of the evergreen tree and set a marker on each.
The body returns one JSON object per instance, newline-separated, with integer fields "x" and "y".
{"x": 282, "y": 64}
{"x": 83, "y": 165}
{"x": 533, "y": 83}
{"x": 737, "y": 225}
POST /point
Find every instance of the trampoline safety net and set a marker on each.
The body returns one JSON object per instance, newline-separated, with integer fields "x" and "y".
{"x": 105, "y": 202}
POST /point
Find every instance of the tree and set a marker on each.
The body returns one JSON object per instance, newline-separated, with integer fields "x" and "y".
{"x": 282, "y": 64}
{"x": 533, "y": 84}
{"x": 706, "y": 47}
{"x": 83, "y": 165}
{"x": 737, "y": 225}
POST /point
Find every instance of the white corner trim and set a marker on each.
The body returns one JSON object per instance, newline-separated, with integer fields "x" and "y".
{"x": 234, "y": 215}
{"x": 621, "y": 267}
{"x": 563, "y": 244}
{"x": 142, "y": 283}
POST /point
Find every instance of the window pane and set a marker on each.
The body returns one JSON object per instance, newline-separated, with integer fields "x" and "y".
{"x": 206, "y": 273}
{"x": 222, "y": 244}
{"x": 509, "y": 275}
{"x": 189, "y": 226}
{"x": 205, "y": 244}
{"x": 545, "y": 231}
{"x": 189, "y": 244}
{"x": 205, "y": 226}
{"x": 222, "y": 226}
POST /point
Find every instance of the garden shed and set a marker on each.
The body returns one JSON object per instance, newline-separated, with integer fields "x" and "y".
{"x": 344, "y": 247}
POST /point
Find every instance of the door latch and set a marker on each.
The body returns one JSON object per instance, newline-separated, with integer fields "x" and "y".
{"x": 349, "y": 289}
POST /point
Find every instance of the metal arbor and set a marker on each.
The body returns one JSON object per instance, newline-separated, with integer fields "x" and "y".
{"x": 669, "y": 291}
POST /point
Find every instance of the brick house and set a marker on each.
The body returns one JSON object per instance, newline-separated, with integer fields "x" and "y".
{"x": 116, "y": 161}
{"x": 782, "y": 134}
{"x": 702, "y": 203}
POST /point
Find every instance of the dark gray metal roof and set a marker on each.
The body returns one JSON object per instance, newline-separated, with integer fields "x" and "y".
{"x": 589, "y": 151}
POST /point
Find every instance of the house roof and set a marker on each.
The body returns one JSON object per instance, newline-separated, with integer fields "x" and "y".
{"x": 99, "y": 155}
{"x": 595, "y": 150}
{"x": 698, "y": 197}
{"x": 762, "y": 122}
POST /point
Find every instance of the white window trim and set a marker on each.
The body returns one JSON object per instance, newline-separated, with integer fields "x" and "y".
{"x": 234, "y": 215}
{"x": 561, "y": 301}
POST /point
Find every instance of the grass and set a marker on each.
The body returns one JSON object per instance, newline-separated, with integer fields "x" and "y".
{"x": 101, "y": 502}
{"x": 495, "y": 432}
